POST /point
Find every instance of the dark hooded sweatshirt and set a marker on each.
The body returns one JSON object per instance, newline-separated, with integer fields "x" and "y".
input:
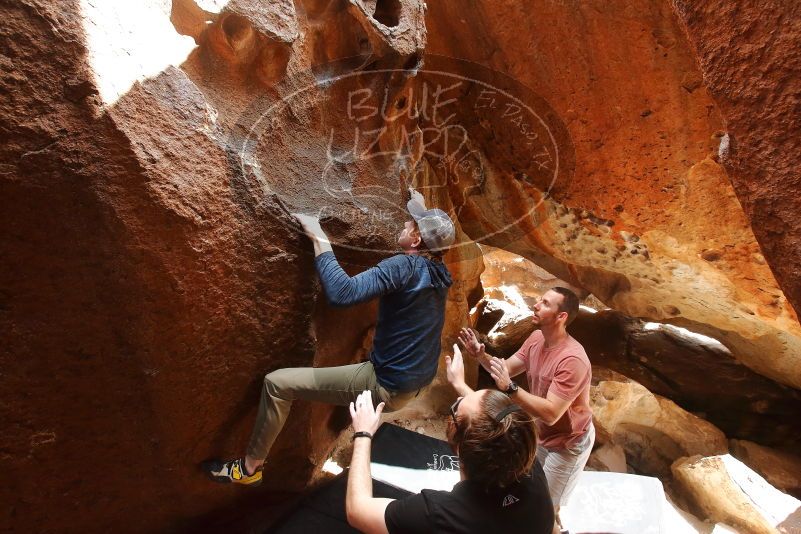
{"x": 411, "y": 313}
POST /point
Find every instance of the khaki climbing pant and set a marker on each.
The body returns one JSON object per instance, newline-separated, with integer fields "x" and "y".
{"x": 330, "y": 385}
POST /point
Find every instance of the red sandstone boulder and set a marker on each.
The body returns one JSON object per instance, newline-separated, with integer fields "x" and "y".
{"x": 642, "y": 214}
{"x": 151, "y": 274}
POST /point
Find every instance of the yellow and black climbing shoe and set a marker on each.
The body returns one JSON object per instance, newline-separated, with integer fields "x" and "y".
{"x": 233, "y": 471}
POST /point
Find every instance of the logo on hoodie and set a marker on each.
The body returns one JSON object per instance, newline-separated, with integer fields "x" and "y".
{"x": 509, "y": 499}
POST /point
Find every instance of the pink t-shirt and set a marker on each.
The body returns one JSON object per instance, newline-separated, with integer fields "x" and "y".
{"x": 565, "y": 371}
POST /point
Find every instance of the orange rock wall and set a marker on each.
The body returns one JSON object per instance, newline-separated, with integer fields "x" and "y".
{"x": 647, "y": 220}
{"x": 147, "y": 286}
{"x": 151, "y": 276}
{"x": 749, "y": 56}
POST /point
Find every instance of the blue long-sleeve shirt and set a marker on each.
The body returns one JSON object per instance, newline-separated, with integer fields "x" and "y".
{"x": 411, "y": 313}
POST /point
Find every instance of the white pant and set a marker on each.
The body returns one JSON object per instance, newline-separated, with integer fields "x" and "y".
{"x": 563, "y": 466}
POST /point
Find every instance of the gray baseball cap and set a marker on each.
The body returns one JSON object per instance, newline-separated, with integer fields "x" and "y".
{"x": 436, "y": 227}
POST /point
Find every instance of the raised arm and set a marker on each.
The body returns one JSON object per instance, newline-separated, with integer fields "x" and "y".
{"x": 454, "y": 370}
{"x": 390, "y": 275}
{"x": 364, "y": 512}
{"x": 343, "y": 290}
{"x": 475, "y": 348}
{"x": 311, "y": 226}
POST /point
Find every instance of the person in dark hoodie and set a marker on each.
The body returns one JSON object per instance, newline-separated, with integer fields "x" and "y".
{"x": 412, "y": 288}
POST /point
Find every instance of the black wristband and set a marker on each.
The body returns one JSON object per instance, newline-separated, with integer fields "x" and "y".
{"x": 361, "y": 434}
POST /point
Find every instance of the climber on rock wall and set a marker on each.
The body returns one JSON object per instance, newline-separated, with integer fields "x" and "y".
{"x": 559, "y": 375}
{"x": 412, "y": 288}
{"x": 501, "y": 487}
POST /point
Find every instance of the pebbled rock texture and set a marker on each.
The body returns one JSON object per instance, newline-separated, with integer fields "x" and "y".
{"x": 150, "y": 272}
{"x": 146, "y": 285}
{"x": 749, "y": 56}
{"x": 643, "y": 216}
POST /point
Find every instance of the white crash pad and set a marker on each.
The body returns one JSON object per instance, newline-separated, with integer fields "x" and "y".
{"x": 623, "y": 504}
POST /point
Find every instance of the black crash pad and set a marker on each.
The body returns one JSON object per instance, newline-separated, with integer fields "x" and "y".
{"x": 323, "y": 511}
